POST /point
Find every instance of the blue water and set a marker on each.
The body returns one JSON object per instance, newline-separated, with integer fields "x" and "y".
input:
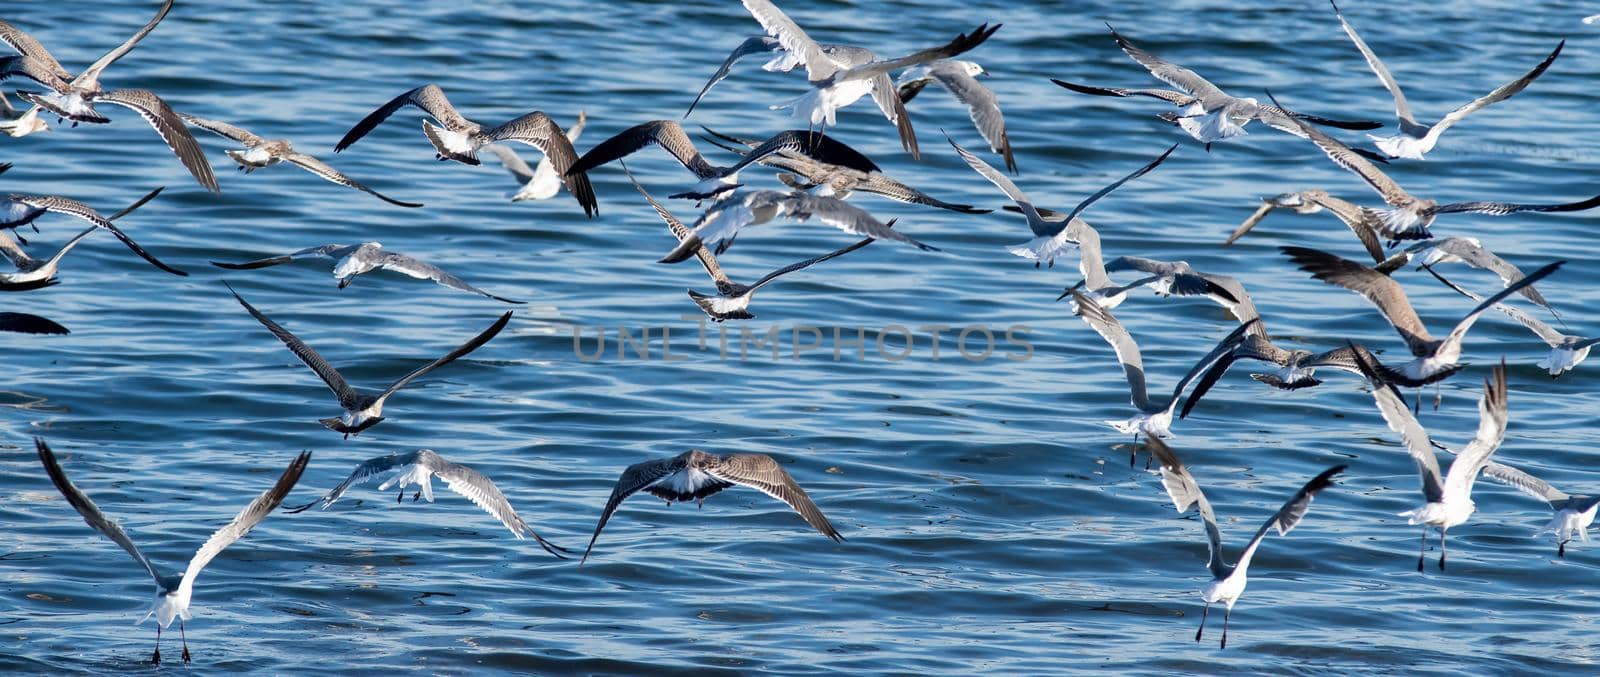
{"x": 993, "y": 523}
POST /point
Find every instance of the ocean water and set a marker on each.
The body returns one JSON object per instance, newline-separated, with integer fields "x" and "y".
{"x": 993, "y": 523}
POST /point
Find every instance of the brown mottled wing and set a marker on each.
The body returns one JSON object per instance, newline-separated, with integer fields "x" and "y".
{"x": 91, "y": 512}
{"x": 322, "y": 169}
{"x": 167, "y": 124}
{"x": 538, "y": 130}
{"x": 222, "y": 129}
{"x": 1379, "y": 289}
{"x": 760, "y": 472}
{"x": 70, "y": 207}
{"x": 30, "y": 47}
{"x": 348, "y": 397}
{"x": 92, "y": 73}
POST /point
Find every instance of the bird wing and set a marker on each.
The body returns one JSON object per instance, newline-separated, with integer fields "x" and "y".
{"x": 483, "y": 493}
{"x": 1178, "y": 99}
{"x": 1504, "y": 208}
{"x": 814, "y": 146}
{"x": 32, "y": 69}
{"x": 348, "y": 397}
{"x": 222, "y": 129}
{"x": 92, "y": 73}
{"x": 887, "y": 96}
{"x": 1171, "y": 73}
{"x": 754, "y": 44}
{"x": 1453, "y": 341}
{"x": 665, "y": 133}
{"x": 959, "y": 45}
{"x": 1492, "y": 414}
{"x": 71, "y": 207}
{"x": 1500, "y": 93}
{"x": 31, "y": 48}
{"x": 1379, "y": 289}
{"x": 1524, "y": 482}
{"x": 634, "y": 478}
{"x": 322, "y": 169}
{"x": 1360, "y": 220}
{"x": 363, "y": 472}
{"x": 329, "y": 250}
{"x": 1544, "y": 331}
{"x": 1109, "y": 328}
{"x": 1291, "y": 513}
{"x": 25, "y": 323}
{"x": 430, "y": 98}
{"x": 463, "y": 349}
{"x": 681, "y": 232}
{"x": 793, "y": 39}
{"x": 538, "y": 130}
{"x": 246, "y": 520}
{"x": 91, "y": 512}
{"x": 171, "y": 129}
{"x": 1399, "y": 418}
{"x": 982, "y": 106}
{"x": 800, "y": 265}
{"x": 1223, "y": 348}
{"x": 1354, "y": 162}
{"x": 1036, "y": 223}
{"x": 513, "y": 163}
{"x": 760, "y": 472}
{"x": 422, "y": 270}
{"x": 1116, "y": 184}
{"x": 1402, "y": 109}
{"x": 848, "y": 218}
{"x": 1250, "y": 223}
{"x": 1477, "y": 256}
{"x": 893, "y": 189}
{"x": 1185, "y": 492}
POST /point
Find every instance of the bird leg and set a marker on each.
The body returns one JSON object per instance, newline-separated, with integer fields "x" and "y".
{"x": 155, "y": 658}
{"x": 1424, "y": 552}
{"x": 1441, "y": 548}
{"x": 1225, "y": 616}
{"x": 185, "y": 636}
{"x": 1203, "y": 615}
{"x": 1438, "y": 394}
{"x": 1561, "y": 548}
{"x": 415, "y": 496}
{"x": 402, "y": 495}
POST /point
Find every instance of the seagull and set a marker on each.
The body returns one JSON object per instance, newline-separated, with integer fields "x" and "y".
{"x": 457, "y": 138}
{"x": 1573, "y": 514}
{"x": 21, "y": 210}
{"x": 1228, "y": 580}
{"x": 716, "y": 180}
{"x": 541, "y": 182}
{"x": 1566, "y": 351}
{"x": 1436, "y": 359}
{"x": 419, "y": 467}
{"x": 693, "y": 475}
{"x": 17, "y": 124}
{"x": 784, "y": 61}
{"x": 356, "y": 259}
{"x": 1362, "y": 221}
{"x": 25, "y": 323}
{"x": 839, "y": 82}
{"x": 35, "y": 274}
{"x": 1449, "y": 496}
{"x": 173, "y": 592}
{"x": 1296, "y": 369}
{"x": 1210, "y": 114}
{"x": 960, "y": 78}
{"x": 362, "y": 410}
{"x": 732, "y": 300}
{"x": 74, "y": 97}
{"x": 1096, "y": 281}
{"x": 1155, "y": 416}
{"x": 261, "y": 152}
{"x": 1415, "y": 140}
{"x": 831, "y": 180}
{"x": 1467, "y": 250}
{"x": 1409, "y": 216}
{"x": 1167, "y": 278}
{"x": 722, "y": 222}
{"x": 1051, "y": 237}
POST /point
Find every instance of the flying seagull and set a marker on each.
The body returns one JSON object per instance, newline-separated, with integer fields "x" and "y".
{"x": 173, "y": 592}
{"x": 722, "y": 222}
{"x": 457, "y": 138}
{"x": 1566, "y": 351}
{"x": 1050, "y": 237}
{"x": 1415, "y": 139}
{"x": 1573, "y": 513}
{"x": 16, "y": 123}
{"x": 716, "y": 180}
{"x": 356, "y": 259}
{"x": 1409, "y": 216}
{"x": 732, "y": 300}
{"x": 839, "y": 82}
{"x": 1436, "y": 359}
{"x": 1228, "y": 580}
{"x": 835, "y": 180}
{"x": 960, "y": 78}
{"x": 1364, "y": 222}
{"x": 261, "y": 152}
{"x": 21, "y": 210}
{"x": 1155, "y": 416}
{"x": 419, "y": 467}
{"x": 74, "y": 97}
{"x": 1449, "y": 496}
{"x": 540, "y": 182}
{"x": 693, "y": 475}
{"x": 1467, "y": 250}
{"x": 1210, "y": 114}
{"x": 362, "y": 410}
{"x": 782, "y": 61}
{"x": 25, "y": 323}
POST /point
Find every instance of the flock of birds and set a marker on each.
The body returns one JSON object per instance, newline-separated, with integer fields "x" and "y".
{"x": 819, "y": 173}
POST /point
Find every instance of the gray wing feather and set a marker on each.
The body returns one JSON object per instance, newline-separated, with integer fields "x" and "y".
{"x": 92, "y": 73}
{"x": 423, "y": 270}
{"x": 1399, "y": 418}
{"x": 1109, "y": 328}
{"x": 1185, "y": 492}
{"x": 982, "y": 105}
{"x": 71, "y": 207}
{"x": 1492, "y": 415}
{"x": 1500, "y": 93}
{"x": 1291, "y": 513}
{"x": 473, "y": 344}
{"x": 320, "y": 168}
{"x": 754, "y": 44}
{"x": 347, "y": 395}
{"x": 1402, "y": 109}
{"x": 91, "y": 512}
{"x": 634, "y": 478}
{"x": 246, "y": 520}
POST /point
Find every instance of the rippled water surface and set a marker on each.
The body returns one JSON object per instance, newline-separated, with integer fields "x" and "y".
{"x": 992, "y": 521}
